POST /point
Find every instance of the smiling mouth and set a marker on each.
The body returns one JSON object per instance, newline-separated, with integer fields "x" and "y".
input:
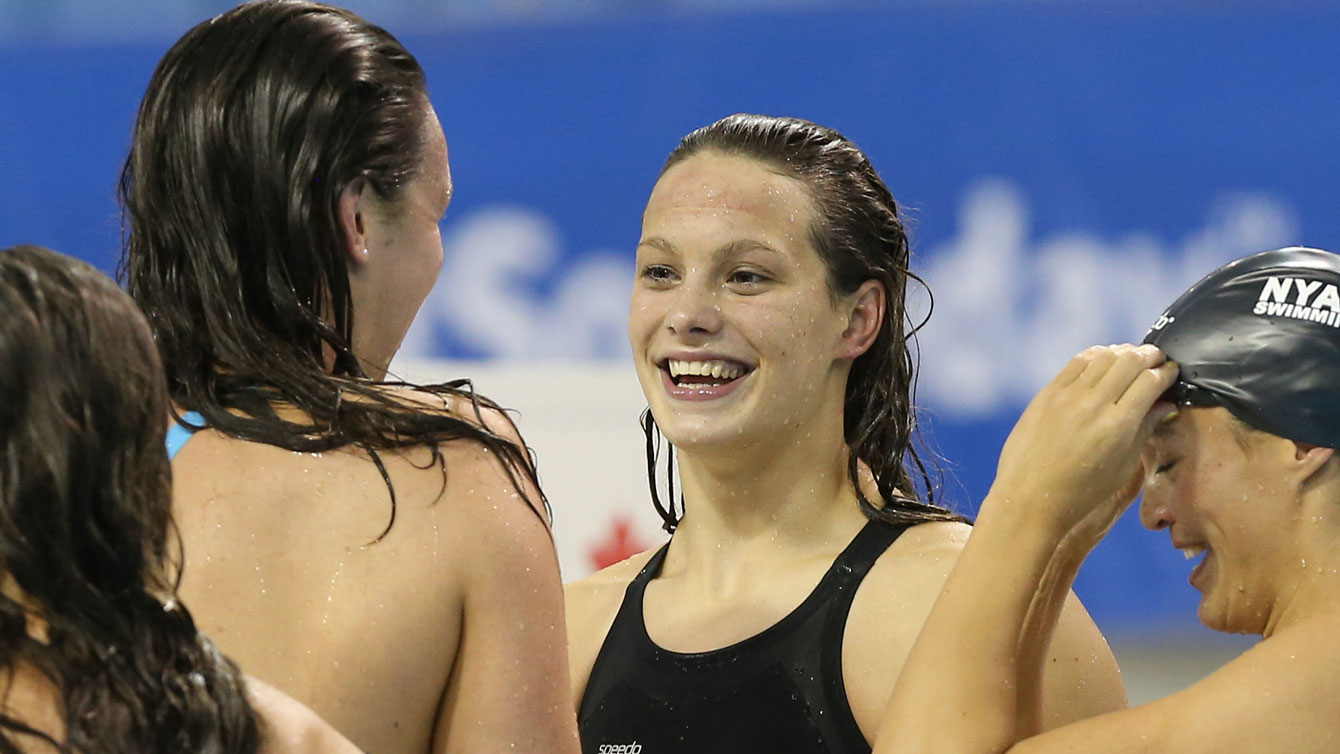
{"x": 1192, "y": 552}
{"x": 704, "y": 374}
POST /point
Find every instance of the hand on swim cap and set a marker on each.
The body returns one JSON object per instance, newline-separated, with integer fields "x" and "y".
{"x": 1260, "y": 337}
{"x": 1072, "y": 462}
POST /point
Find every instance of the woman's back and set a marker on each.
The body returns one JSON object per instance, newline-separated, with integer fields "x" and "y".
{"x": 378, "y": 636}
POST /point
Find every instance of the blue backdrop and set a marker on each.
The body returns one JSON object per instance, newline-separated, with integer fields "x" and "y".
{"x": 1068, "y": 169}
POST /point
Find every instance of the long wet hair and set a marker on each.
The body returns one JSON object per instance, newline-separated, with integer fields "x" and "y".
{"x": 859, "y": 236}
{"x": 252, "y": 126}
{"x": 85, "y": 525}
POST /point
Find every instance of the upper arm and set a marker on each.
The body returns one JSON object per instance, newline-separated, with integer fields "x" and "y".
{"x": 581, "y": 601}
{"x": 1081, "y": 678}
{"x": 1272, "y": 699}
{"x": 499, "y": 423}
{"x": 508, "y": 689}
{"x": 288, "y": 727}
{"x": 592, "y": 605}
{"x": 496, "y": 421}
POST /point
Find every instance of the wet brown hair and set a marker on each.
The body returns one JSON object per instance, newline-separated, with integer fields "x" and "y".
{"x": 252, "y": 126}
{"x": 85, "y": 524}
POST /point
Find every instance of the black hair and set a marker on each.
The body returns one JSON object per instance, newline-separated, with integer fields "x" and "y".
{"x": 859, "y": 236}
{"x": 85, "y": 519}
{"x": 252, "y": 126}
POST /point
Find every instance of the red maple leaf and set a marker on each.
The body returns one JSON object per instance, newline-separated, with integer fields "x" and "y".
{"x": 619, "y": 544}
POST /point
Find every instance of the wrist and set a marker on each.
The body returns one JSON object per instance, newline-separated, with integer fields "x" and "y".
{"x": 1022, "y": 517}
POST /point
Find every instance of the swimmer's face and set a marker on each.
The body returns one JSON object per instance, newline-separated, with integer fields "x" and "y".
{"x": 728, "y": 283}
{"x": 1221, "y": 489}
{"x": 404, "y": 256}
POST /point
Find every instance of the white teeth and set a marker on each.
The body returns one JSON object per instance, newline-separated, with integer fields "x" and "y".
{"x": 1192, "y": 551}
{"x": 714, "y": 369}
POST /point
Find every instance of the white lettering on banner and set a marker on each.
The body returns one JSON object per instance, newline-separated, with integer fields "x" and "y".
{"x": 633, "y": 748}
{"x": 1009, "y": 309}
{"x": 484, "y": 299}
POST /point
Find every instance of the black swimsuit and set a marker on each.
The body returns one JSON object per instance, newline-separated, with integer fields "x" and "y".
{"x": 779, "y": 691}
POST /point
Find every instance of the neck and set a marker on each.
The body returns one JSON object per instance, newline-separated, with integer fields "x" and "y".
{"x": 1310, "y": 574}
{"x": 374, "y": 367}
{"x": 375, "y": 370}
{"x": 790, "y": 494}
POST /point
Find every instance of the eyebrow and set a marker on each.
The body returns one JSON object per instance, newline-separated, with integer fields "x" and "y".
{"x": 734, "y": 248}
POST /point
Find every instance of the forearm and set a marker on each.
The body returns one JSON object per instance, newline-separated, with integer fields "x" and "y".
{"x": 959, "y": 690}
{"x": 1035, "y": 637}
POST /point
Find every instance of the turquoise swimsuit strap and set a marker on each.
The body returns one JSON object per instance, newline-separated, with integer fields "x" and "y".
{"x": 178, "y": 434}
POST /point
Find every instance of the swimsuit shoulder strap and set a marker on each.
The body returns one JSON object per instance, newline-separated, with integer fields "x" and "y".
{"x": 181, "y": 430}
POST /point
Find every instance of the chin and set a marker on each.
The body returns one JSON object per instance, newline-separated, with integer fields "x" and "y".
{"x": 695, "y": 439}
{"x": 705, "y": 434}
{"x": 1224, "y": 619}
{"x": 1211, "y": 619}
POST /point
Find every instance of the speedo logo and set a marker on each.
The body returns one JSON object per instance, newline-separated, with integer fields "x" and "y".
{"x": 1299, "y": 298}
{"x": 633, "y": 748}
{"x": 1165, "y": 319}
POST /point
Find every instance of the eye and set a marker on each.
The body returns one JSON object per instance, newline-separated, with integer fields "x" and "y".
{"x": 746, "y": 278}
{"x": 1166, "y": 466}
{"x": 658, "y": 274}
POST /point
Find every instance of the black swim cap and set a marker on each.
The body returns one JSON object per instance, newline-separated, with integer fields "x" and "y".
{"x": 1261, "y": 337}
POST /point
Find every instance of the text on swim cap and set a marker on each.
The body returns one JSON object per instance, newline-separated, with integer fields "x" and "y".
{"x": 1164, "y": 320}
{"x": 1313, "y": 300}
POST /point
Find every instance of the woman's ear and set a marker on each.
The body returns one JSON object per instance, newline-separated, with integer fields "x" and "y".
{"x": 1309, "y": 461}
{"x": 865, "y": 316}
{"x": 352, "y": 222}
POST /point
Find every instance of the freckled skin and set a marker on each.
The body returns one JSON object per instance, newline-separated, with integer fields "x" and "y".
{"x": 785, "y": 327}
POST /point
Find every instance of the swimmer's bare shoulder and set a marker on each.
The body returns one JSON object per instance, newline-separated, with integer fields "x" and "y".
{"x": 1281, "y": 695}
{"x": 444, "y": 635}
{"x": 508, "y": 689}
{"x": 893, "y": 602}
{"x": 591, "y": 604}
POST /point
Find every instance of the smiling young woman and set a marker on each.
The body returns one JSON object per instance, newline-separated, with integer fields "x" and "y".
{"x": 1233, "y": 436}
{"x": 770, "y": 336}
